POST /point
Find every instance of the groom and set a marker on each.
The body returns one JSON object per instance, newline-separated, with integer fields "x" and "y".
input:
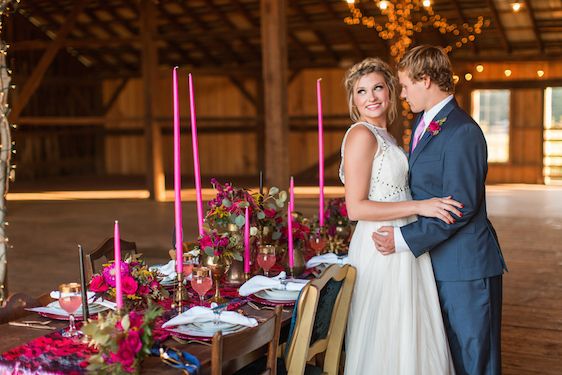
{"x": 449, "y": 157}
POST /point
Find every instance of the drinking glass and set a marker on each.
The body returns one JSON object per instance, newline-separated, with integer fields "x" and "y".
{"x": 70, "y": 300}
{"x": 187, "y": 267}
{"x": 317, "y": 242}
{"x": 266, "y": 258}
{"x": 201, "y": 281}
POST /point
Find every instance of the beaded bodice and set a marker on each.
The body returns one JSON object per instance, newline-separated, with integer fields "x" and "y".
{"x": 389, "y": 171}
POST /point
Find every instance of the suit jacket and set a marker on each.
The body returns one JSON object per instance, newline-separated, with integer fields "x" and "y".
{"x": 454, "y": 162}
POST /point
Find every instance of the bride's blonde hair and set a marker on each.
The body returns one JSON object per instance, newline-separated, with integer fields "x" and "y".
{"x": 371, "y": 65}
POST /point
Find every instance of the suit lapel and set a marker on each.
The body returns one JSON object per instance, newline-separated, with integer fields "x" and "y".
{"x": 427, "y": 137}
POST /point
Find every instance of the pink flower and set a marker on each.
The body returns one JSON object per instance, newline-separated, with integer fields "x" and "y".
{"x": 98, "y": 284}
{"x": 270, "y": 213}
{"x": 129, "y": 285}
{"x": 343, "y": 210}
{"x": 109, "y": 272}
{"x": 435, "y": 126}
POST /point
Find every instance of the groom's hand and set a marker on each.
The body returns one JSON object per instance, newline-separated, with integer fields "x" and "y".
{"x": 384, "y": 240}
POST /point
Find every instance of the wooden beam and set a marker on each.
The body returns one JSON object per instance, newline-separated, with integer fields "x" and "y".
{"x": 107, "y": 106}
{"x": 34, "y": 80}
{"x": 240, "y": 86}
{"x": 499, "y": 25}
{"x": 530, "y": 9}
{"x": 155, "y": 165}
{"x": 463, "y": 19}
{"x": 275, "y": 63}
{"x": 356, "y": 46}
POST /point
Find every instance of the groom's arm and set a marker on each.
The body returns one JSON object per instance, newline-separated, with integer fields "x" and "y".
{"x": 464, "y": 175}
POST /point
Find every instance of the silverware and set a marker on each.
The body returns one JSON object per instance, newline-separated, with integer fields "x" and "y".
{"x": 259, "y": 308}
{"x": 182, "y": 341}
{"x": 30, "y": 325}
{"x": 42, "y": 322}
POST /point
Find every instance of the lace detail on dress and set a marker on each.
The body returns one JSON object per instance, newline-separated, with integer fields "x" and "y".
{"x": 389, "y": 172}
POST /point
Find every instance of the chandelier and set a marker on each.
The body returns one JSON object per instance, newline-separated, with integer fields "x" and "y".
{"x": 406, "y": 17}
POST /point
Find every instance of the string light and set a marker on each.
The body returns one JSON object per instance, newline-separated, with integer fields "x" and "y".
{"x": 540, "y": 73}
{"x": 507, "y": 72}
{"x": 516, "y": 6}
{"x": 401, "y": 24}
{"x": 456, "y": 79}
{"x": 479, "y": 68}
{"x": 468, "y": 76}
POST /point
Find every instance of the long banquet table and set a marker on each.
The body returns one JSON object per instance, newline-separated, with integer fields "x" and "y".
{"x": 13, "y": 336}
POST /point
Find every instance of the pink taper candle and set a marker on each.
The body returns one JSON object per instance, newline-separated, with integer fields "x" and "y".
{"x": 320, "y": 154}
{"x": 247, "y": 243}
{"x": 177, "y": 175}
{"x": 118, "y": 284}
{"x": 196, "y": 169}
{"x": 290, "y": 237}
{"x": 292, "y": 193}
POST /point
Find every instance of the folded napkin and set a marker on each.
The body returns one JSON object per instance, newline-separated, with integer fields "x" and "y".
{"x": 168, "y": 271}
{"x": 204, "y": 314}
{"x": 257, "y": 283}
{"x": 55, "y": 294}
{"x": 328, "y": 258}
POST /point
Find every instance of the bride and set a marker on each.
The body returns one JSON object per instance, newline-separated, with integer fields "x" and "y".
{"x": 395, "y": 324}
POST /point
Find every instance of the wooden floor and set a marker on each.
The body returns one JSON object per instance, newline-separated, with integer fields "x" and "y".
{"x": 44, "y": 236}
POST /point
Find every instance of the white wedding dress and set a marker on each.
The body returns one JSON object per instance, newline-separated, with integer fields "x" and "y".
{"x": 395, "y": 325}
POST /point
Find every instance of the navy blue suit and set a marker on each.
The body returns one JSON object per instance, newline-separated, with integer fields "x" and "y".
{"x": 466, "y": 255}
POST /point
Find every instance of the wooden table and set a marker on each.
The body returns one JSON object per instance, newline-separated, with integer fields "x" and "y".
{"x": 12, "y": 336}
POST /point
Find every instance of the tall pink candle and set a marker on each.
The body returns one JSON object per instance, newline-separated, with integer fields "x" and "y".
{"x": 292, "y": 193}
{"x": 290, "y": 237}
{"x": 320, "y": 154}
{"x": 247, "y": 243}
{"x": 118, "y": 284}
{"x": 177, "y": 175}
{"x": 196, "y": 169}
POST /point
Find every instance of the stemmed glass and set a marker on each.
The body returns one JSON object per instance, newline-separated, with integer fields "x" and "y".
{"x": 70, "y": 300}
{"x": 187, "y": 267}
{"x": 266, "y": 258}
{"x": 201, "y": 281}
{"x": 317, "y": 241}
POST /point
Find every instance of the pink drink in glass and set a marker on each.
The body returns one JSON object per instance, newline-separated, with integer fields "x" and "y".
{"x": 317, "y": 244}
{"x": 187, "y": 269}
{"x": 266, "y": 261}
{"x": 201, "y": 285}
{"x": 70, "y": 303}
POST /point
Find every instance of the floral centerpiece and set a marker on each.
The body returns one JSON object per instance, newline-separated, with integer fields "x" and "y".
{"x": 269, "y": 219}
{"x": 122, "y": 341}
{"x": 220, "y": 244}
{"x": 228, "y": 206}
{"x": 140, "y": 285}
{"x": 335, "y": 215}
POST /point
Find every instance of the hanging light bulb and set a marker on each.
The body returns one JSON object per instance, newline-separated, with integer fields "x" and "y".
{"x": 516, "y": 6}
{"x": 456, "y": 79}
{"x": 351, "y": 1}
{"x": 426, "y": 3}
{"x": 507, "y": 72}
{"x": 468, "y": 76}
{"x": 479, "y": 68}
{"x": 383, "y": 4}
{"x": 540, "y": 73}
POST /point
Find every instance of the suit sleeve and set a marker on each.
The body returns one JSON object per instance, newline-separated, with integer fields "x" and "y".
{"x": 464, "y": 175}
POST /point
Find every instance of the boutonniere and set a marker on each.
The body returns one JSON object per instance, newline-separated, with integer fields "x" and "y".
{"x": 435, "y": 126}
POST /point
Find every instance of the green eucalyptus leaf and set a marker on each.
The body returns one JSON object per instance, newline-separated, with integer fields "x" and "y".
{"x": 126, "y": 323}
{"x": 226, "y": 202}
{"x": 209, "y": 251}
{"x": 276, "y": 235}
{"x": 253, "y": 231}
{"x": 240, "y": 221}
{"x": 261, "y": 215}
{"x": 274, "y": 190}
{"x": 283, "y": 196}
{"x": 237, "y": 256}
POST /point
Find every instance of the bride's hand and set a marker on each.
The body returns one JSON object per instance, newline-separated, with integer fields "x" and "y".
{"x": 440, "y": 208}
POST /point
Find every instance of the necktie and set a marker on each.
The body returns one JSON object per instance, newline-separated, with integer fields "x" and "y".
{"x": 418, "y": 134}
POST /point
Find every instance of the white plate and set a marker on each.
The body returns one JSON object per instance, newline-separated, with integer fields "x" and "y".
{"x": 93, "y": 308}
{"x": 193, "y": 330}
{"x": 278, "y": 295}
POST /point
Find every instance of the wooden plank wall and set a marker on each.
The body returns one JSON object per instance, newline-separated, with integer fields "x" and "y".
{"x": 526, "y": 115}
{"x": 219, "y": 103}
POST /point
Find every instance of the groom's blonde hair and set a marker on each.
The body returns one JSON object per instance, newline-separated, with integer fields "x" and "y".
{"x": 367, "y": 66}
{"x": 429, "y": 61}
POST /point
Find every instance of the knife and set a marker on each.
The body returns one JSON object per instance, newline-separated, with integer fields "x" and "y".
{"x": 29, "y": 325}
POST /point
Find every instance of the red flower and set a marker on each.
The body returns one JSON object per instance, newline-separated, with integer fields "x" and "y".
{"x": 270, "y": 213}
{"x": 130, "y": 286}
{"x": 343, "y": 210}
{"x": 98, "y": 284}
{"x": 435, "y": 126}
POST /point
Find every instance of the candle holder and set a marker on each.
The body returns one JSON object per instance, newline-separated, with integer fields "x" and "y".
{"x": 180, "y": 295}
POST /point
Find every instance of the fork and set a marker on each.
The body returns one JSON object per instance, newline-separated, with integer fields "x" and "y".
{"x": 42, "y": 322}
{"x": 259, "y": 308}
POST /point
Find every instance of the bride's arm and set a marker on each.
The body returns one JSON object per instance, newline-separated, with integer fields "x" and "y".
{"x": 359, "y": 151}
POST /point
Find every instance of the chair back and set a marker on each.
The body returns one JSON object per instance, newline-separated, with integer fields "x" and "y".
{"x": 105, "y": 252}
{"x": 17, "y": 303}
{"x": 235, "y": 345}
{"x": 320, "y": 319}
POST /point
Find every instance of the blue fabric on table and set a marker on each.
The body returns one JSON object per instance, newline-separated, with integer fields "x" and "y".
{"x": 178, "y": 359}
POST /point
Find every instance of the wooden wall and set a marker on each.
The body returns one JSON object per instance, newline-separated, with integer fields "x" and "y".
{"x": 525, "y": 163}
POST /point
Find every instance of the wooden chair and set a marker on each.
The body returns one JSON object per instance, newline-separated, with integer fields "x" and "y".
{"x": 106, "y": 251}
{"x": 233, "y": 346}
{"x": 319, "y": 322}
{"x": 17, "y": 303}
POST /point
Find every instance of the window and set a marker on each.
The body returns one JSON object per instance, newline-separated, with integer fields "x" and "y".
{"x": 553, "y": 135}
{"x": 490, "y": 109}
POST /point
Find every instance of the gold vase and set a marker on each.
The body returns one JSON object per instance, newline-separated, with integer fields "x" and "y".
{"x": 218, "y": 267}
{"x": 235, "y": 273}
{"x": 299, "y": 263}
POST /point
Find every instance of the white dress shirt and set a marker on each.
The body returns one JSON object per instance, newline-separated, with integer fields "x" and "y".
{"x": 399, "y": 242}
